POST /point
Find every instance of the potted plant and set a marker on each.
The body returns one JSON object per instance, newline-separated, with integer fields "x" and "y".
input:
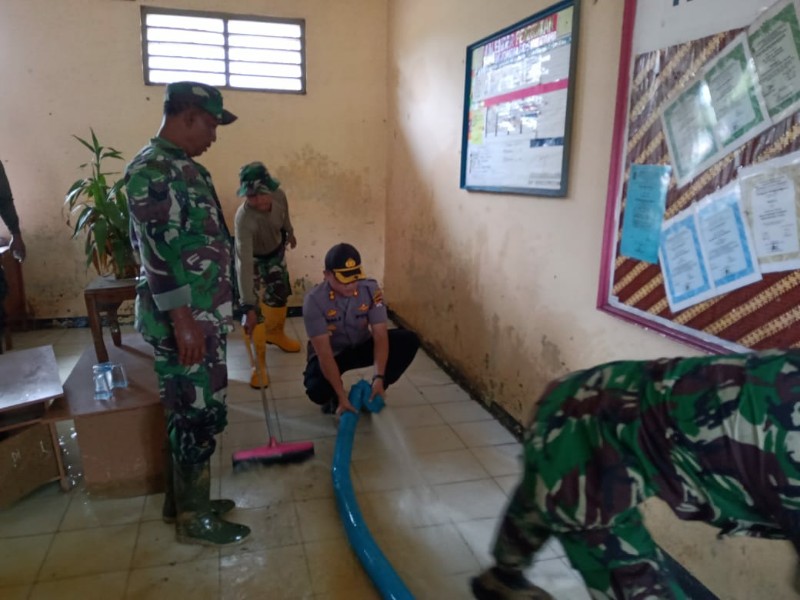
{"x": 99, "y": 208}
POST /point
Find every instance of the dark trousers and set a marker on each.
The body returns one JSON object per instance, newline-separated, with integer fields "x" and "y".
{"x": 403, "y": 345}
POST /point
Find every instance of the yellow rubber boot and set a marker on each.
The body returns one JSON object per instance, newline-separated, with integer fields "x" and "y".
{"x": 259, "y": 377}
{"x": 275, "y": 320}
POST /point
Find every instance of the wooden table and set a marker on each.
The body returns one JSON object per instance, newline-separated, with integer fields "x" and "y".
{"x": 104, "y": 295}
{"x": 30, "y": 454}
{"x": 122, "y": 441}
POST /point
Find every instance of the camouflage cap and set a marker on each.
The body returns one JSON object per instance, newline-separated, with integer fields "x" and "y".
{"x": 254, "y": 178}
{"x": 344, "y": 261}
{"x": 203, "y": 95}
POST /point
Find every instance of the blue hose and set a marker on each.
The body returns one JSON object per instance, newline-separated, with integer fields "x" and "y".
{"x": 380, "y": 571}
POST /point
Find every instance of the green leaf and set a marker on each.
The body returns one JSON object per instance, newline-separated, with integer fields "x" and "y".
{"x": 100, "y": 204}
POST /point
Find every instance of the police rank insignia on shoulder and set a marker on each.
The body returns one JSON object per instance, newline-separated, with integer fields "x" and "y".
{"x": 363, "y": 308}
{"x": 331, "y": 312}
{"x": 377, "y": 297}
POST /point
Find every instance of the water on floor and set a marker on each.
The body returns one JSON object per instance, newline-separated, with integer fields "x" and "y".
{"x": 432, "y": 473}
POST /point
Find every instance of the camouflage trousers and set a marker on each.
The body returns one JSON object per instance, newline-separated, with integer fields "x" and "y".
{"x": 716, "y": 437}
{"x": 193, "y": 396}
{"x": 617, "y": 559}
{"x": 271, "y": 277}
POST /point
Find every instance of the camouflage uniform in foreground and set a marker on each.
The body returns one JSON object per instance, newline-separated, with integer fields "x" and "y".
{"x": 184, "y": 246}
{"x": 717, "y": 438}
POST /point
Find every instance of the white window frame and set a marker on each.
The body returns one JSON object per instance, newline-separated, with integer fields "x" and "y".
{"x": 279, "y": 56}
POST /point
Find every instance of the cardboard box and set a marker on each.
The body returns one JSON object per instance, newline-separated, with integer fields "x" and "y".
{"x": 122, "y": 441}
{"x": 27, "y": 460}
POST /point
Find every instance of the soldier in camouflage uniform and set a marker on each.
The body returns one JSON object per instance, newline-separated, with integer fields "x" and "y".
{"x": 9, "y": 216}
{"x": 262, "y": 230}
{"x": 717, "y": 438}
{"x": 184, "y": 300}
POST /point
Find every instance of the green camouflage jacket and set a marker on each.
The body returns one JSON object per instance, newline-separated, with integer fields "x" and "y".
{"x": 7, "y": 211}
{"x": 180, "y": 235}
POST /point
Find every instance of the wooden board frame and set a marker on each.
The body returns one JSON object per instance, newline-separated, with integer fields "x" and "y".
{"x": 758, "y": 316}
{"x": 517, "y": 140}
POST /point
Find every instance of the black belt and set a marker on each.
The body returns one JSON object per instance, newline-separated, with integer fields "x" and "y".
{"x": 269, "y": 255}
{"x": 281, "y": 247}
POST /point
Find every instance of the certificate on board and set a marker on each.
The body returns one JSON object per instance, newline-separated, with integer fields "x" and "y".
{"x": 707, "y": 250}
{"x": 667, "y": 47}
{"x": 771, "y": 200}
{"x": 518, "y": 103}
{"x": 719, "y": 111}
{"x": 644, "y": 212}
{"x": 726, "y": 241}
{"x": 775, "y": 43}
{"x": 686, "y": 276}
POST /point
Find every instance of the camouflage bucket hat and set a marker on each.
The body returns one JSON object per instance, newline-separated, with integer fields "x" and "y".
{"x": 202, "y": 95}
{"x": 254, "y": 178}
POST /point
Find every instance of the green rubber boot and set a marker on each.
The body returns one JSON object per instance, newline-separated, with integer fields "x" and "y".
{"x": 169, "y": 512}
{"x": 196, "y": 522}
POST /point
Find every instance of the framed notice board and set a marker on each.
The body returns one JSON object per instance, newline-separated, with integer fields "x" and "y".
{"x": 702, "y": 226}
{"x": 518, "y": 105}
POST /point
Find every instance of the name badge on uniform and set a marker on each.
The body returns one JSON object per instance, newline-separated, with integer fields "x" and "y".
{"x": 363, "y": 308}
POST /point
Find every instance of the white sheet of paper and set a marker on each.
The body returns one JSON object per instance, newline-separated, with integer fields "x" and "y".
{"x": 775, "y": 216}
{"x": 686, "y": 278}
{"x": 688, "y": 123}
{"x": 771, "y": 204}
{"x": 775, "y": 51}
{"x": 726, "y": 241}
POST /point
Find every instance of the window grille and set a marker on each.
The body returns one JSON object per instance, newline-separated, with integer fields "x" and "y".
{"x": 223, "y": 50}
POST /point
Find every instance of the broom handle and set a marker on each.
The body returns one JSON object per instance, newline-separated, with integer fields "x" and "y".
{"x": 248, "y": 341}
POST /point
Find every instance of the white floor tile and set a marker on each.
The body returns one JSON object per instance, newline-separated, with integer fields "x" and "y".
{"x": 431, "y": 475}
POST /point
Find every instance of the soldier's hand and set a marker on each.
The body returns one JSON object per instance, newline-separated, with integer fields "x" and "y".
{"x": 249, "y": 322}
{"x": 188, "y": 336}
{"x": 18, "y": 248}
{"x": 292, "y": 241}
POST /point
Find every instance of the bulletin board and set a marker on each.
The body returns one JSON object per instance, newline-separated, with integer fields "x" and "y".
{"x": 518, "y": 104}
{"x": 704, "y": 184}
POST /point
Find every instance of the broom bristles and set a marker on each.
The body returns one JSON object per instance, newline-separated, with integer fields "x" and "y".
{"x": 275, "y": 452}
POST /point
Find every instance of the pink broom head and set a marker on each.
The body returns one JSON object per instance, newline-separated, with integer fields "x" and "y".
{"x": 275, "y": 452}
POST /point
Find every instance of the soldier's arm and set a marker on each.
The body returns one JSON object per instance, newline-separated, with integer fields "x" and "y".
{"x": 287, "y": 224}
{"x": 188, "y": 335}
{"x": 244, "y": 261}
{"x": 7, "y": 211}
{"x": 158, "y": 227}
{"x": 9, "y": 215}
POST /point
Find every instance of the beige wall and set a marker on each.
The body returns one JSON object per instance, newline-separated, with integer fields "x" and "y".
{"x": 504, "y": 287}
{"x": 69, "y": 65}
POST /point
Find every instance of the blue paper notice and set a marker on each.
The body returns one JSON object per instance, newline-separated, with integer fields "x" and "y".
{"x": 644, "y": 211}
